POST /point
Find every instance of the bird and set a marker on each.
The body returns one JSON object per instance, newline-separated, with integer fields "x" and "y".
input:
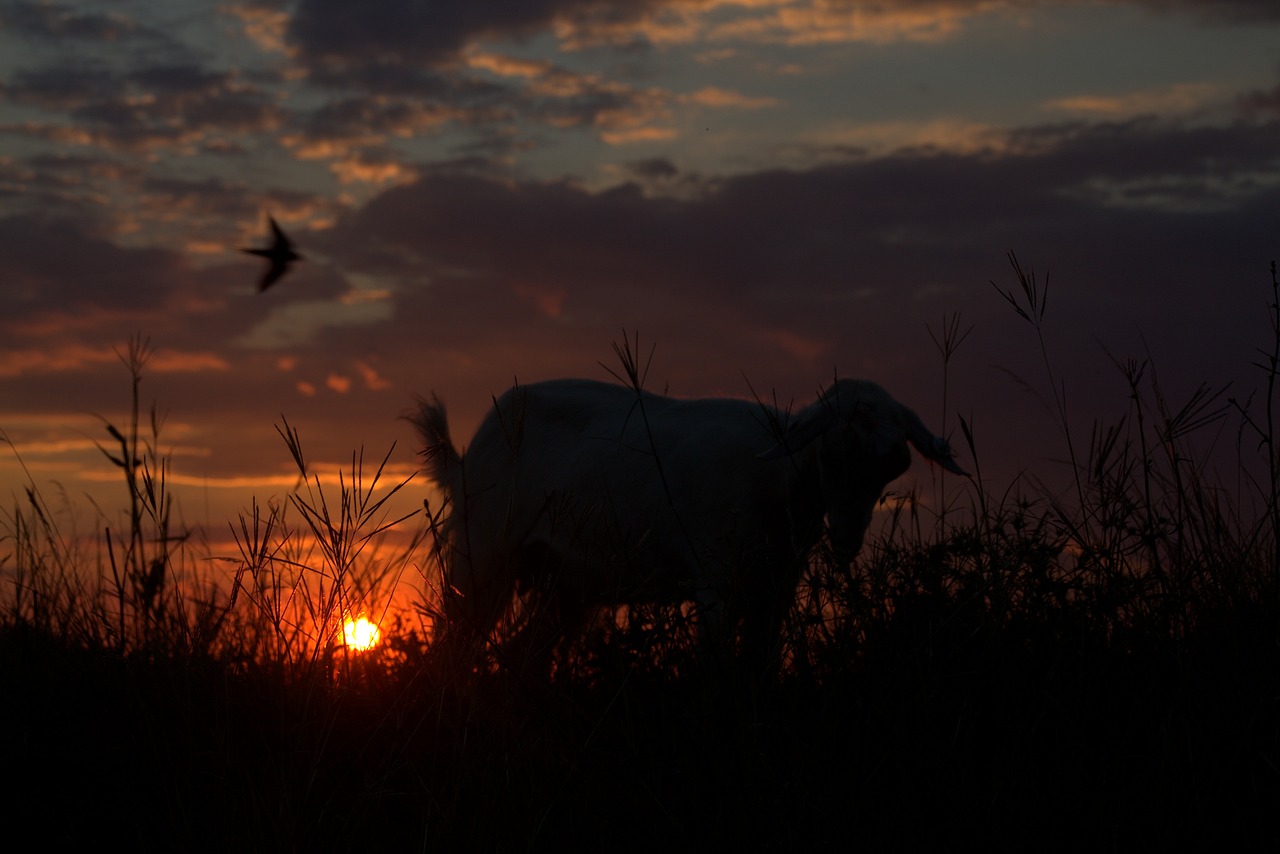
{"x": 280, "y": 253}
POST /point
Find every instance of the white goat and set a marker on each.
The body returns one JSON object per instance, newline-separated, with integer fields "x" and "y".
{"x": 595, "y": 494}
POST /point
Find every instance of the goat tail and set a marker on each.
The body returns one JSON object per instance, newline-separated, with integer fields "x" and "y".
{"x": 441, "y": 460}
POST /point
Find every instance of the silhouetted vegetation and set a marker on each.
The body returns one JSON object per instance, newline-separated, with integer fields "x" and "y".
{"x": 1012, "y": 670}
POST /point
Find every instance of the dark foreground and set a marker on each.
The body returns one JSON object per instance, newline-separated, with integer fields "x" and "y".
{"x": 940, "y": 731}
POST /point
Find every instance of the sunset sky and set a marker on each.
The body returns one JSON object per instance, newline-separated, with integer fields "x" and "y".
{"x": 771, "y": 191}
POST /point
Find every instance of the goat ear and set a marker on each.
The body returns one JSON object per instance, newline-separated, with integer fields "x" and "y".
{"x": 931, "y": 447}
{"x": 807, "y": 425}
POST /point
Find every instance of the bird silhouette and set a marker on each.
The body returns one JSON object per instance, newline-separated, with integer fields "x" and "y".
{"x": 280, "y": 253}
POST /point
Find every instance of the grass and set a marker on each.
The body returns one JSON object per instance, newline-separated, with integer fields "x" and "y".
{"x": 1010, "y": 669}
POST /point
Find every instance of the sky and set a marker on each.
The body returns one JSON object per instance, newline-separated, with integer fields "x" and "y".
{"x": 767, "y": 192}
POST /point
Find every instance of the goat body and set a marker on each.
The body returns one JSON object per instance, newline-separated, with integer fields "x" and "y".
{"x": 599, "y": 494}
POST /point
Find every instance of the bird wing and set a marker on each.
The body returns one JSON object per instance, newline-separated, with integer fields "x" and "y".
{"x": 271, "y": 276}
{"x": 280, "y": 240}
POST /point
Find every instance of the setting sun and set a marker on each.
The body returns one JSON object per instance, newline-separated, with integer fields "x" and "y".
{"x": 360, "y": 633}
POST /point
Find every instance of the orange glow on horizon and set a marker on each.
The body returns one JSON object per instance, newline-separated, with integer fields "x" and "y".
{"x": 360, "y": 634}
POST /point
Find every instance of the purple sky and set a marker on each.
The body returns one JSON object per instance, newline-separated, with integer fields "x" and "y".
{"x": 771, "y": 191}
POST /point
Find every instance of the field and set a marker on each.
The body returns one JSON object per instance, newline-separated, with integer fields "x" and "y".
{"x": 1002, "y": 670}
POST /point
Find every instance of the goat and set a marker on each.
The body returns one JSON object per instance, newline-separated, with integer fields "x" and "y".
{"x": 596, "y": 494}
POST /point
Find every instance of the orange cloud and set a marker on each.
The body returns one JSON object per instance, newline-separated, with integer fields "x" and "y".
{"x": 795, "y": 345}
{"x": 545, "y": 78}
{"x": 1178, "y": 98}
{"x": 77, "y": 357}
{"x": 323, "y": 149}
{"x": 649, "y": 134}
{"x": 371, "y": 378}
{"x": 173, "y": 361}
{"x": 54, "y": 447}
{"x": 270, "y": 481}
{"x": 72, "y": 357}
{"x": 549, "y": 301}
{"x": 829, "y": 22}
{"x": 951, "y": 135}
{"x": 264, "y": 27}
{"x": 714, "y": 96}
{"x": 778, "y": 21}
{"x": 358, "y": 170}
{"x": 506, "y": 66}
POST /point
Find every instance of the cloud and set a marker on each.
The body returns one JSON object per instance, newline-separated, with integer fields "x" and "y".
{"x": 76, "y": 358}
{"x": 58, "y": 360}
{"x": 353, "y": 134}
{"x": 1170, "y": 100}
{"x": 1260, "y": 104}
{"x": 841, "y": 21}
{"x": 147, "y": 108}
{"x": 372, "y": 380}
{"x": 342, "y": 125}
{"x": 787, "y": 273}
{"x": 332, "y": 34}
{"x": 714, "y": 96}
{"x": 70, "y": 265}
{"x": 1218, "y": 11}
{"x": 549, "y": 301}
{"x": 878, "y": 139}
{"x": 499, "y": 102}
{"x": 302, "y": 322}
{"x": 654, "y": 169}
{"x": 370, "y": 169}
{"x": 76, "y": 291}
{"x": 167, "y": 361}
{"x": 468, "y": 257}
{"x": 388, "y": 46}
{"x": 58, "y": 22}
{"x": 264, "y": 23}
{"x": 552, "y": 229}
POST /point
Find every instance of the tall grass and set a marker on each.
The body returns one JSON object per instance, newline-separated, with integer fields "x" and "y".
{"x": 144, "y": 588}
{"x": 118, "y": 591}
{"x": 1008, "y": 667}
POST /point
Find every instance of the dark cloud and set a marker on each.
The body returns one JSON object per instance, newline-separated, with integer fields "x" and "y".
{"x": 1226, "y": 11}
{"x": 66, "y": 265}
{"x": 360, "y": 122}
{"x": 62, "y": 184}
{"x": 1146, "y": 145}
{"x": 178, "y": 80}
{"x": 388, "y": 77}
{"x": 604, "y": 106}
{"x": 61, "y": 86}
{"x": 56, "y": 22}
{"x": 788, "y": 273}
{"x": 378, "y": 41}
{"x": 221, "y": 201}
{"x": 424, "y": 33}
{"x": 1261, "y": 103}
{"x": 759, "y": 231}
{"x": 149, "y": 106}
{"x": 654, "y": 168}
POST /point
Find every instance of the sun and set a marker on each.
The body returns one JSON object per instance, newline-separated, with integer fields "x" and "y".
{"x": 360, "y": 633}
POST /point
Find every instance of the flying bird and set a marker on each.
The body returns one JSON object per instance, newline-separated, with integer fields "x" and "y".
{"x": 280, "y": 253}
